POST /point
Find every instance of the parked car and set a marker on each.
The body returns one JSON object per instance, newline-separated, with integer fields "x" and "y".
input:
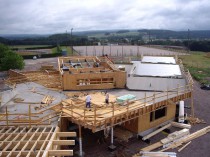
{"x": 205, "y": 86}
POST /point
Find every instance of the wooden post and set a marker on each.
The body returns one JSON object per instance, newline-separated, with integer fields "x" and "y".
{"x": 95, "y": 115}
{"x": 177, "y": 89}
{"x": 192, "y": 102}
{"x": 29, "y": 114}
{"x": 71, "y": 109}
{"x": 80, "y": 141}
{"x": 110, "y": 50}
{"x": 112, "y": 120}
{"x": 7, "y": 116}
{"x": 127, "y": 108}
{"x": 145, "y": 98}
{"x": 167, "y": 93}
{"x": 154, "y": 98}
{"x": 84, "y": 114}
{"x": 112, "y": 110}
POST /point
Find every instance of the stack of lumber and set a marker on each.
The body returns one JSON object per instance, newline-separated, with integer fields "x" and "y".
{"x": 51, "y": 79}
{"x": 175, "y": 135}
{"x": 155, "y": 154}
{"x": 174, "y": 142}
{"x": 15, "y": 77}
{"x": 47, "y": 99}
{"x": 188, "y": 138}
{"x": 125, "y": 98}
{"x": 16, "y": 80}
{"x": 47, "y": 67}
{"x": 122, "y": 134}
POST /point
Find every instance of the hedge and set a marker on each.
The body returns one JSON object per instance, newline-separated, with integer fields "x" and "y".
{"x": 42, "y": 55}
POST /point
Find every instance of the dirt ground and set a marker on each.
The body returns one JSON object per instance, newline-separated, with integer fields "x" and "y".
{"x": 93, "y": 148}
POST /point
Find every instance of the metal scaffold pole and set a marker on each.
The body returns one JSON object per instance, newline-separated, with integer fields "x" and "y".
{"x": 80, "y": 141}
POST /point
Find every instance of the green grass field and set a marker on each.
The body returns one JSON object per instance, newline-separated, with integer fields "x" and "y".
{"x": 68, "y": 48}
{"x": 28, "y": 46}
{"x": 199, "y": 66}
{"x": 102, "y": 35}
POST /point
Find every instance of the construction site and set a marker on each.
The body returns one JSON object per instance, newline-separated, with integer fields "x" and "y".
{"x": 151, "y": 109}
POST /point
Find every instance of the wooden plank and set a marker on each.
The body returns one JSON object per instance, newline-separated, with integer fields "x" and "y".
{"x": 181, "y": 125}
{"x": 45, "y": 142}
{"x": 152, "y": 147}
{"x": 157, "y": 154}
{"x": 184, "y": 146}
{"x": 16, "y": 146}
{"x": 156, "y": 132}
{"x": 35, "y": 143}
{"x": 49, "y": 145}
{"x": 63, "y": 142}
{"x": 25, "y": 146}
{"x": 60, "y": 153}
{"x": 66, "y": 134}
{"x": 189, "y": 138}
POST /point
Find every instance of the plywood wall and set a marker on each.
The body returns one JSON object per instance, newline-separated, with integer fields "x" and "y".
{"x": 143, "y": 122}
{"x": 70, "y": 81}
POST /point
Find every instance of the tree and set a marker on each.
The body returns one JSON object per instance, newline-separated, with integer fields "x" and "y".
{"x": 10, "y": 59}
{"x": 3, "y": 50}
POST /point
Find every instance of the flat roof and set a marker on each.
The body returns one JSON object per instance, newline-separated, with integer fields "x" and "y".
{"x": 163, "y": 60}
{"x": 155, "y": 70}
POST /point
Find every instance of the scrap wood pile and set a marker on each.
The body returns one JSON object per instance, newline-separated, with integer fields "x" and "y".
{"x": 194, "y": 120}
{"x": 46, "y": 101}
{"x": 155, "y": 154}
{"x": 16, "y": 79}
{"x": 75, "y": 94}
{"x": 18, "y": 100}
{"x": 122, "y": 134}
{"x": 177, "y": 139}
{"x": 47, "y": 78}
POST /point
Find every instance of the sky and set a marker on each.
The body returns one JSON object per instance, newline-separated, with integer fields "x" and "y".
{"x": 57, "y": 16}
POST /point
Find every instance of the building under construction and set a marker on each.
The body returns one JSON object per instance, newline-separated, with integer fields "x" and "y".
{"x": 137, "y": 115}
{"x": 82, "y": 73}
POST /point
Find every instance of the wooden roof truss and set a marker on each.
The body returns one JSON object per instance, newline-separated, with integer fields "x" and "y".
{"x": 34, "y": 142}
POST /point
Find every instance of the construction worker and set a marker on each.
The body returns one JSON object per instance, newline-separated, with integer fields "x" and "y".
{"x": 88, "y": 101}
{"x": 106, "y": 97}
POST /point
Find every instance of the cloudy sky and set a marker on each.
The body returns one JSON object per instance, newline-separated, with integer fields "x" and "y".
{"x": 56, "y": 16}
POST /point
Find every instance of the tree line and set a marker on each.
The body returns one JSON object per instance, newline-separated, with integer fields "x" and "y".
{"x": 68, "y": 40}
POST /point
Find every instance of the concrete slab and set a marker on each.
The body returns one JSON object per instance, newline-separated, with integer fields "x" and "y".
{"x": 24, "y": 91}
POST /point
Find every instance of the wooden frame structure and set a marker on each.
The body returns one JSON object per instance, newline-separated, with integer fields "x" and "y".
{"x": 86, "y": 72}
{"x": 41, "y": 118}
{"x": 100, "y": 118}
{"x": 47, "y": 78}
{"x": 34, "y": 142}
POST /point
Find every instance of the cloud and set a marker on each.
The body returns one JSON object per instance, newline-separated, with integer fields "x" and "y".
{"x": 53, "y": 16}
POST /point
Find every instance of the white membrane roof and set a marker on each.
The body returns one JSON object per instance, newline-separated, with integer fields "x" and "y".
{"x": 162, "y": 60}
{"x": 155, "y": 70}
